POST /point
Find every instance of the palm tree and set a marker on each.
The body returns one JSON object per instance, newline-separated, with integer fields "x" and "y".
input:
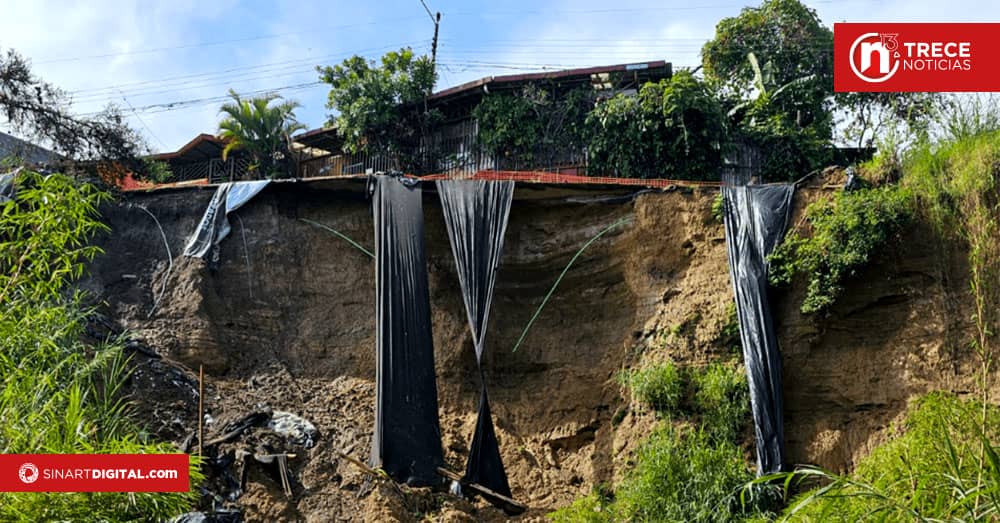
{"x": 262, "y": 130}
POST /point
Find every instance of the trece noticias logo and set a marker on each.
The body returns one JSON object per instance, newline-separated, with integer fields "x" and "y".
{"x": 916, "y": 57}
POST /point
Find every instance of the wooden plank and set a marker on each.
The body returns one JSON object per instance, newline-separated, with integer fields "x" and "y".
{"x": 508, "y": 505}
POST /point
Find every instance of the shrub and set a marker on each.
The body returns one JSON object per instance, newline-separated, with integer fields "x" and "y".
{"x": 59, "y": 394}
{"x": 683, "y": 476}
{"x": 674, "y": 128}
{"x": 847, "y": 231}
{"x": 659, "y": 386}
{"x": 722, "y": 399}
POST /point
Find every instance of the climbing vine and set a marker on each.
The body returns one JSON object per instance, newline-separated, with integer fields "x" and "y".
{"x": 846, "y": 233}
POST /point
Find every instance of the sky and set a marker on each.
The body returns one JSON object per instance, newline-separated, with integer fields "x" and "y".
{"x": 168, "y": 64}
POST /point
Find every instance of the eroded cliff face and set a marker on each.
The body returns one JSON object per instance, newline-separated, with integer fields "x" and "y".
{"x": 286, "y": 321}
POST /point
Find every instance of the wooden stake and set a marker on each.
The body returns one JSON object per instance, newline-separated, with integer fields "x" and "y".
{"x": 201, "y": 408}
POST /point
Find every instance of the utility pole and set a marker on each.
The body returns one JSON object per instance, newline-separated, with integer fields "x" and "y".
{"x": 434, "y": 43}
{"x": 436, "y": 20}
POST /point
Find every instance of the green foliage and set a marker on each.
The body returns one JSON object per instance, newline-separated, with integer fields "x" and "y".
{"x": 719, "y": 207}
{"x": 684, "y": 473}
{"x": 722, "y": 399}
{"x": 156, "y": 171}
{"x": 261, "y": 130}
{"x": 774, "y": 65}
{"x": 847, "y": 231}
{"x": 674, "y": 129}
{"x": 929, "y": 471}
{"x": 532, "y": 126}
{"x": 683, "y": 476}
{"x": 660, "y": 387}
{"x": 592, "y": 508}
{"x": 43, "y": 237}
{"x": 729, "y": 335}
{"x": 59, "y": 394}
{"x": 380, "y": 107}
{"x": 872, "y": 116}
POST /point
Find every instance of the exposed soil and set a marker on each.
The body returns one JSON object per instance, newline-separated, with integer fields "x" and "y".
{"x": 286, "y": 322}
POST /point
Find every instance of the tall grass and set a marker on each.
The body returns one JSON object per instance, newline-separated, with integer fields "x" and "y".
{"x": 928, "y": 471}
{"x": 58, "y": 392}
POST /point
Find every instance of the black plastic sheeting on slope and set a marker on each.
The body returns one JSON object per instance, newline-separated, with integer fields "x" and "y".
{"x": 407, "y": 439}
{"x": 756, "y": 217}
{"x": 476, "y": 214}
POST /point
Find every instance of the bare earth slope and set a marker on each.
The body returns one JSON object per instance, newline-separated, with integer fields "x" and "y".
{"x": 286, "y": 322}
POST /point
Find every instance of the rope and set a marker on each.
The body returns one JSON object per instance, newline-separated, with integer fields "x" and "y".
{"x": 170, "y": 261}
{"x": 341, "y": 235}
{"x": 559, "y": 279}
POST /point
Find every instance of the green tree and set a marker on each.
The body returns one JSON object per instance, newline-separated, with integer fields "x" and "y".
{"x": 380, "y": 107}
{"x": 262, "y": 130}
{"x": 40, "y": 111}
{"x": 674, "y": 128}
{"x": 774, "y": 64}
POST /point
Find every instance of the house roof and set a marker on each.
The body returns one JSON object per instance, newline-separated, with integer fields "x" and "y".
{"x": 324, "y": 138}
{"x": 203, "y": 147}
{"x": 456, "y": 98}
{"x": 26, "y": 151}
{"x": 640, "y": 72}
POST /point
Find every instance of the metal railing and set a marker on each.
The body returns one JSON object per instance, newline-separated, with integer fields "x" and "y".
{"x": 215, "y": 170}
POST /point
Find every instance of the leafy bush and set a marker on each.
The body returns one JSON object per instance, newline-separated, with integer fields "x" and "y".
{"x": 59, "y": 394}
{"x": 722, "y": 399}
{"x": 658, "y": 386}
{"x": 683, "y": 476}
{"x": 535, "y": 125}
{"x": 672, "y": 129}
{"x": 929, "y": 471}
{"x": 847, "y": 231}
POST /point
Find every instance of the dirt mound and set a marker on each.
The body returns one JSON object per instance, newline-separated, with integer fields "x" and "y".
{"x": 286, "y": 322}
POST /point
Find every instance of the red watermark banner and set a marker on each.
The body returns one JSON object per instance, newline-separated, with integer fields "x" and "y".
{"x": 94, "y": 473}
{"x": 945, "y": 57}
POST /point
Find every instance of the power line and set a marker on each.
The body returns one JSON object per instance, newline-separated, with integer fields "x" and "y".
{"x": 215, "y": 80}
{"x": 215, "y": 43}
{"x": 143, "y": 122}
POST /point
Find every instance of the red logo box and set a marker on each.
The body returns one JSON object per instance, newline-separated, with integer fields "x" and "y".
{"x": 946, "y": 57}
{"x": 94, "y": 473}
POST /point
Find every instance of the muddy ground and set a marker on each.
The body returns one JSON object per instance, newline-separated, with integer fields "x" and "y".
{"x": 285, "y": 322}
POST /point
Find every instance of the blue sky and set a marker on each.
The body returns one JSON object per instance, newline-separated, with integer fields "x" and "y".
{"x": 147, "y": 55}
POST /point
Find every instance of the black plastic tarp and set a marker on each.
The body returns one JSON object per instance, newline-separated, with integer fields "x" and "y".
{"x": 407, "y": 438}
{"x": 756, "y": 217}
{"x": 476, "y": 215}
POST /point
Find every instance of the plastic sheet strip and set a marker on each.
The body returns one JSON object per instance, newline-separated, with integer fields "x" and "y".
{"x": 476, "y": 214}
{"x": 407, "y": 439}
{"x": 214, "y": 225}
{"x": 756, "y": 218}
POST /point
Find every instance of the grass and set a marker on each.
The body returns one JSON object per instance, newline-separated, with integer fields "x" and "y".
{"x": 660, "y": 387}
{"x": 928, "y": 471}
{"x": 691, "y": 471}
